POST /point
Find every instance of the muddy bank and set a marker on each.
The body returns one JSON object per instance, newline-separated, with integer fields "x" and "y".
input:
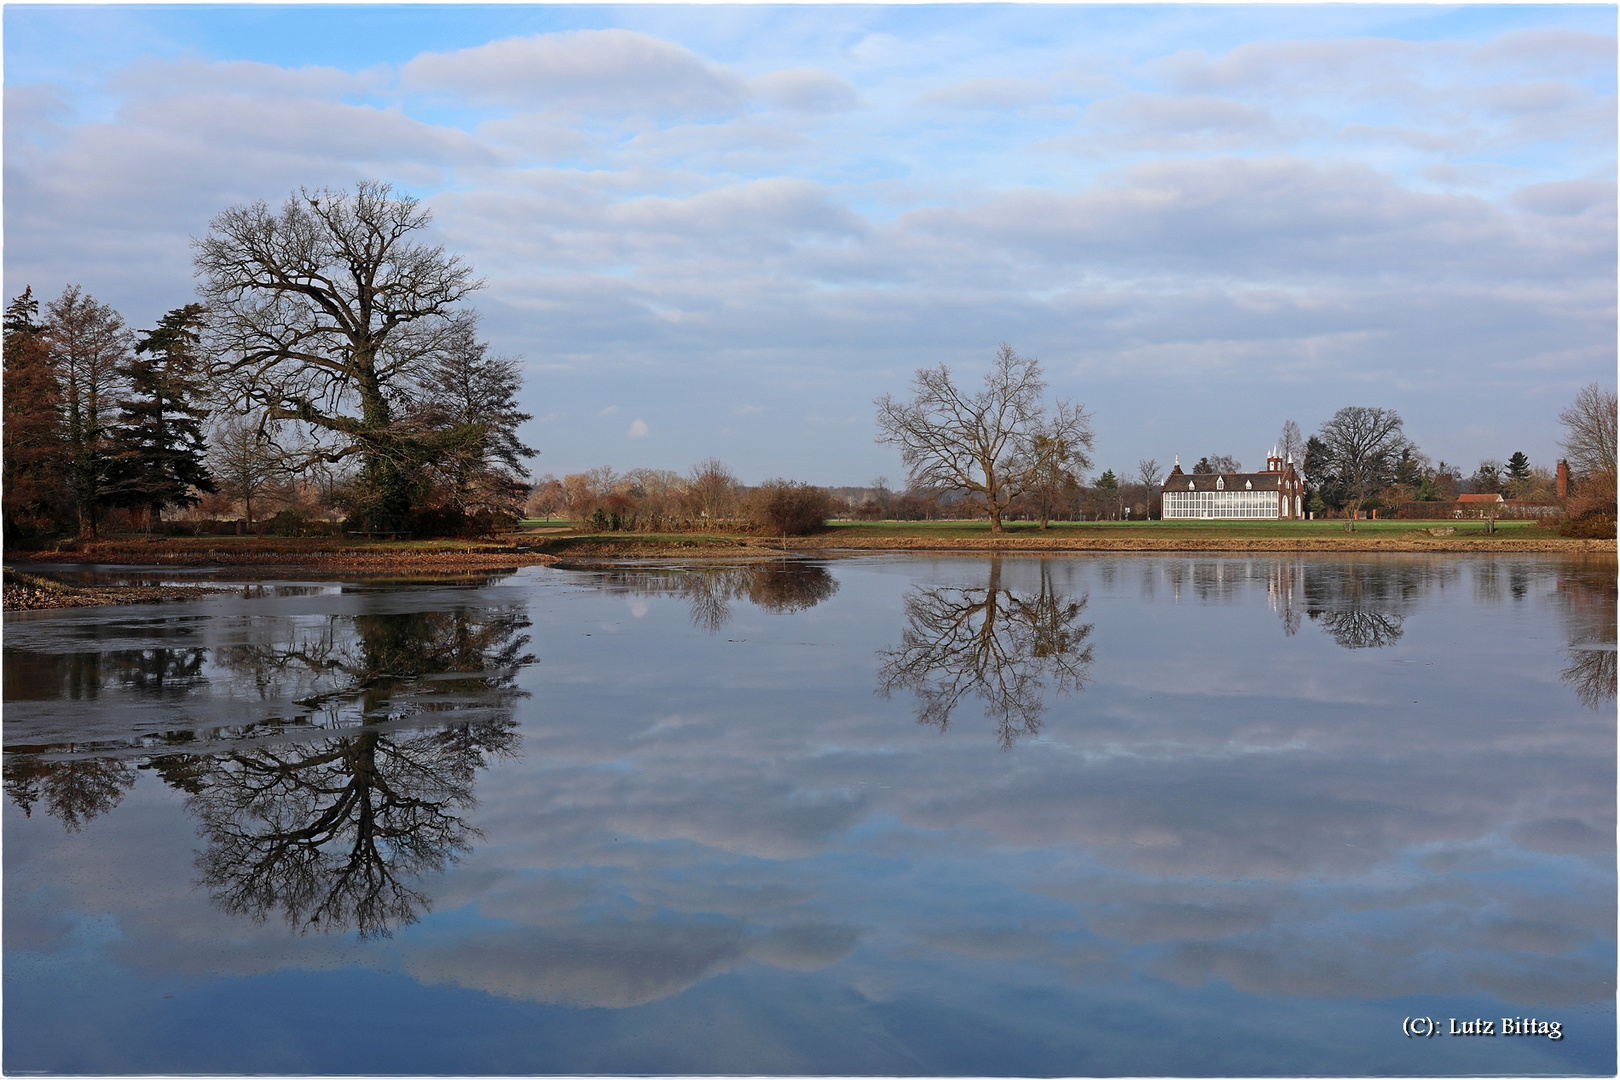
{"x": 25, "y": 592}
{"x": 275, "y": 557}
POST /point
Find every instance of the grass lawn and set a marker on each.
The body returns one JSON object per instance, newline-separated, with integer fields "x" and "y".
{"x": 1199, "y": 529}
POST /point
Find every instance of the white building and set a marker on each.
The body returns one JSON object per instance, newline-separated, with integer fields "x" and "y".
{"x": 1275, "y": 495}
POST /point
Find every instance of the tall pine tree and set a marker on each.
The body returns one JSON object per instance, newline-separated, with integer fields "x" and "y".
{"x": 36, "y": 460}
{"x": 160, "y": 444}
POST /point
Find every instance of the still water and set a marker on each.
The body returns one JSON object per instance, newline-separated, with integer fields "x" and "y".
{"x": 1081, "y": 816}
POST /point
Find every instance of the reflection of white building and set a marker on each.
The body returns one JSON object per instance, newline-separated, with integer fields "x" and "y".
{"x": 1276, "y": 494}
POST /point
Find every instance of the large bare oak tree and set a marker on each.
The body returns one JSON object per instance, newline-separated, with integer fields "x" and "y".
{"x": 994, "y": 444}
{"x": 1362, "y": 446}
{"x": 320, "y": 313}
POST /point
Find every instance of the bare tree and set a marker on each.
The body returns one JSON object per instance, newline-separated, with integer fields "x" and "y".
{"x": 245, "y": 460}
{"x": 1053, "y": 476}
{"x": 1291, "y": 444}
{"x": 1150, "y": 475}
{"x": 1589, "y": 447}
{"x": 986, "y": 444}
{"x": 714, "y": 492}
{"x": 1362, "y": 446}
{"x": 89, "y": 346}
{"x": 546, "y": 498}
{"x": 320, "y": 312}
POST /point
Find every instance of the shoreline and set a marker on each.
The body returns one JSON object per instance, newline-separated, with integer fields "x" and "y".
{"x": 544, "y": 549}
{"x": 283, "y": 558}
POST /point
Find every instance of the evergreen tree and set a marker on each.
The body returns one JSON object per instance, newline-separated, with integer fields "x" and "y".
{"x": 467, "y": 417}
{"x": 1518, "y": 466}
{"x": 160, "y": 445}
{"x": 88, "y": 344}
{"x": 35, "y": 470}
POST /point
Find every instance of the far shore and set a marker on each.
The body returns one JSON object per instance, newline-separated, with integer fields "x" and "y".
{"x": 550, "y": 545}
{"x": 436, "y": 559}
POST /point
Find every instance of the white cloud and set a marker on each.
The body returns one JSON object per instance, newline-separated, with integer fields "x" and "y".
{"x": 1003, "y": 92}
{"x": 638, "y": 430}
{"x": 608, "y": 411}
{"x": 618, "y": 71}
{"x": 805, "y": 90}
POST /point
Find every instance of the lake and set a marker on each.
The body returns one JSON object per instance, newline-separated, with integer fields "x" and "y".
{"x": 1165, "y": 815}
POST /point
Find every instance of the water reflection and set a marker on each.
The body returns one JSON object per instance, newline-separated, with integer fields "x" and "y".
{"x": 1360, "y": 605}
{"x": 74, "y": 790}
{"x": 332, "y": 813}
{"x": 1588, "y": 596}
{"x": 335, "y": 833}
{"x": 998, "y": 644}
{"x": 781, "y": 586}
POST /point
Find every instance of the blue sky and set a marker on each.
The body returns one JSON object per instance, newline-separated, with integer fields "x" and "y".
{"x": 725, "y": 230}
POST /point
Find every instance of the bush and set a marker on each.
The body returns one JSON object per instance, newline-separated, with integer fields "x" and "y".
{"x": 789, "y": 508}
{"x": 286, "y": 523}
{"x": 1594, "y": 527}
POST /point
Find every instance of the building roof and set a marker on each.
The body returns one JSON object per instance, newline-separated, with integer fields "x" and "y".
{"x": 1243, "y": 481}
{"x": 1480, "y": 499}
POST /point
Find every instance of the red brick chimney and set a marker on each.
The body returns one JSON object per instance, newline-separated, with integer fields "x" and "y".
{"x": 1563, "y": 479}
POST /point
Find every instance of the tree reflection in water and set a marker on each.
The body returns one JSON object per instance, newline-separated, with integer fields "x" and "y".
{"x": 334, "y": 832}
{"x": 781, "y": 586}
{"x": 333, "y": 818}
{"x": 75, "y": 790}
{"x": 1589, "y": 603}
{"x": 999, "y": 644}
{"x": 1364, "y": 605}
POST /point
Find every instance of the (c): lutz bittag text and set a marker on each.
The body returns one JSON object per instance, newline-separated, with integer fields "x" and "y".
{"x": 1426, "y": 1027}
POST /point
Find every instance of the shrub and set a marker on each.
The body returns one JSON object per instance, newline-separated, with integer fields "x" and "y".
{"x": 789, "y": 508}
{"x": 1595, "y": 527}
{"x": 290, "y": 522}
{"x": 433, "y": 521}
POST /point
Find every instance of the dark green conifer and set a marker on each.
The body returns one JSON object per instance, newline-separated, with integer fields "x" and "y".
{"x": 161, "y": 444}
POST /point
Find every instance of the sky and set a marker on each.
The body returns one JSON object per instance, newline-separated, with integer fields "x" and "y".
{"x": 723, "y": 231}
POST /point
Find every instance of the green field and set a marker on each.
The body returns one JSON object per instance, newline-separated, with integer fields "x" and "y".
{"x": 1211, "y": 529}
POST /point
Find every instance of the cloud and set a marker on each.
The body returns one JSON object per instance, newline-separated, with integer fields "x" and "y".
{"x": 617, "y": 71}
{"x": 805, "y": 90}
{"x": 991, "y": 93}
{"x": 1166, "y": 114}
{"x": 36, "y": 108}
{"x": 1567, "y": 198}
{"x": 612, "y": 966}
{"x": 638, "y": 430}
{"x": 806, "y": 946}
{"x": 1550, "y": 48}
{"x": 610, "y": 410}
{"x": 167, "y": 78}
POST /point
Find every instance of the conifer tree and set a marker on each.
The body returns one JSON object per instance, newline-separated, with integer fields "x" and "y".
{"x": 1518, "y": 466}
{"x": 35, "y": 470}
{"x": 160, "y": 442}
{"x": 88, "y": 344}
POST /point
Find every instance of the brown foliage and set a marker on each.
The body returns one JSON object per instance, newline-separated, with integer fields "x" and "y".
{"x": 789, "y": 508}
